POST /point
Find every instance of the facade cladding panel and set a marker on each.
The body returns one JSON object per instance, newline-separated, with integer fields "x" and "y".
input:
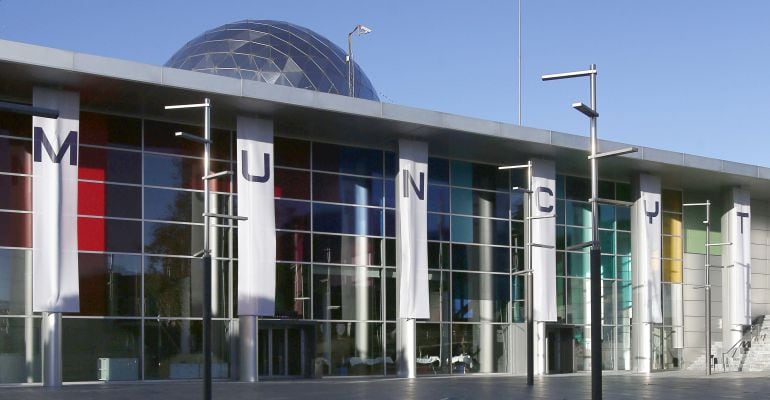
{"x": 139, "y": 223}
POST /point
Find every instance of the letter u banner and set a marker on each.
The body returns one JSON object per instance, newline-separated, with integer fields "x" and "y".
{"x": 412, "y": 229}
{"x": 544, "y": 239}
{"x": 256, "y": 201}
{"x": 55, "y": 203}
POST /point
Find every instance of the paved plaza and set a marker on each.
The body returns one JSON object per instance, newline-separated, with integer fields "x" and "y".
{"x": 669, "y": 386}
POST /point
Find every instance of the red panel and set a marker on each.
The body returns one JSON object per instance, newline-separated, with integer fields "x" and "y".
{"x": 92, "y": 164}
{"x": 91, "y": 234}
{"x": 91, "y": 198}
{"x": 15, "y": 230}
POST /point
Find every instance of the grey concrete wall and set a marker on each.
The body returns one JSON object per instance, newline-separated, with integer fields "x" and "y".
{"x": 694, "y": 308}
{"x": 760, "y": 274}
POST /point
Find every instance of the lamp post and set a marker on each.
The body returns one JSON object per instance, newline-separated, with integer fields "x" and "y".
{"x": 205, "y": 254}
{"x": 596, "y": 278}
{"x": 528, "y": 281}
{"x": 707, "y": 278}
{"x": 358, "y": 30}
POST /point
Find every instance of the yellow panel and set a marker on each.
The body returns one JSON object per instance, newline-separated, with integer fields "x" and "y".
{"x": 672, "y": 271}
{"x": 672, "y": 224}
{"x": 672, "y": 247}
{"x": 672, "y": 200}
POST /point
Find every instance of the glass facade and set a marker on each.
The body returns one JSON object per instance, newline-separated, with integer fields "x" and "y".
{"x": 573, "y": 285}
{"x": 140, "y": 205}
{"x": 275, "y": 52}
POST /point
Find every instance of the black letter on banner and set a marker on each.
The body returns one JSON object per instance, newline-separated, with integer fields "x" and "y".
{"x": 653, "y": 214}
{"x": 742, "y": 215}
{"x": 245, "y": 168}
{"x": 548, "y": 191}
{"x": 420, "y": 191}
{"x": 40, "y": 141}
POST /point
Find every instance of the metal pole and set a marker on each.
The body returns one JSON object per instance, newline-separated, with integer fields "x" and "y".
{"x": 206, "y": 257}
{"x": 596, "y": 277}
{"x": 350, "y": 65}
{"x": 708, "y": 287}
{"x": 528, "y": 286}
{"x": 519, "y": 49}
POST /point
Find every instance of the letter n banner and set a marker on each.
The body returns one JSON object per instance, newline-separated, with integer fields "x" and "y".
{"x": 412, "y": 230}
{"x": 55, "y": 285}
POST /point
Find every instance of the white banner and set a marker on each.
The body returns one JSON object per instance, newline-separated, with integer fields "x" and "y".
{"x": 256, "y": 201}
{"x": 412, "y": 229}
{"x": 739, "y": 258}
{"x": 647, "y": 254}
{"x": 55, "y": 203}
{"x": 544, "y": 233}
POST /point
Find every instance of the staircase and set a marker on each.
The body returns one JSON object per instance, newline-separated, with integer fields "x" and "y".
{"x": 752, "y": 353}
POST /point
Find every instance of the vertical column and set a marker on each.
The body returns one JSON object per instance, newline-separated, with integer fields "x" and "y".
{"x": 256, "y": 236}
{"x": 542, "y": 239}
{"x": 736, "y": 276}
{"x": 411, "y": 250}
{"x": 646, "y": 267}
{"x": 486, "y": 340}
{"x": 54, "y": 231}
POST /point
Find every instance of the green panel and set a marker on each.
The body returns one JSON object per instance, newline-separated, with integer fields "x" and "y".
{"x": 695, "y": 229}
{"x": 578, "y": 264}
{"x": 607, "y": 241}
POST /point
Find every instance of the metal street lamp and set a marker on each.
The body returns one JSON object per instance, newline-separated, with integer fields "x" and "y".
{"x": 707, "y": 278}
{"x": 358, "y": 30}
{"x": 596, "y": 269}
{"x": 528, "y": 284}
{"x": 205, "y": 254}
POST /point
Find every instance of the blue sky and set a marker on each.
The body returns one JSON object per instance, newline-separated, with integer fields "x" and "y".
{"x": 683, "y": 75}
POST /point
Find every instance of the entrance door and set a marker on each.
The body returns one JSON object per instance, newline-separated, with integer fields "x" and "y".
{"x": 560, "y": 349}
{"x": 282, "y": 352}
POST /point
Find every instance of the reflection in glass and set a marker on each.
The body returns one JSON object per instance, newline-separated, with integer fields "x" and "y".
{"x": 110, "y": 165}
{"x": 432, "y": 348}
{"x": 101, "y": 199}
{"x": 15, "y": 282}
{"x": 290, "y": 183}
{"x": 479, "y": 203}
{"x": 20, "y": 360}
{"x": 15, "y": 229}
{"x": 346, "y": 293}
{"x": 173, "y": 349}
{"x": 16, "y": 155}
{"x": 479, "y": 348}
{"x": 17, "y": 192}
{"x": 479, "y": 230}
{"x": 292, "y": 291}
{"x": 347, "y": 189}
{"x": 480, "y": 297}
{"x": 348, "y": 348}
{"x": 347, "y": 219}
{"x": 172, "y": 287}
{"x": 110, "y": 344}
{"x": 356, "y": 250}
{"x": 480, "y": 258}
{"x": 110, "y": 284}
{"x": 347, "y": 160}
{"x": 110, "y": 130}
{"x": 112, "y": 235}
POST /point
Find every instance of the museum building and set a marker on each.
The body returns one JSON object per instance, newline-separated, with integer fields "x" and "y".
{"x": 336, "y": 298}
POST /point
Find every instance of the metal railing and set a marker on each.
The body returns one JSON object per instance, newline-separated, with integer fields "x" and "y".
{"x": 751, "y": 334}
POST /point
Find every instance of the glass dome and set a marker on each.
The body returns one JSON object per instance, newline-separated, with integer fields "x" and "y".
{"x": 274, "y": 52}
